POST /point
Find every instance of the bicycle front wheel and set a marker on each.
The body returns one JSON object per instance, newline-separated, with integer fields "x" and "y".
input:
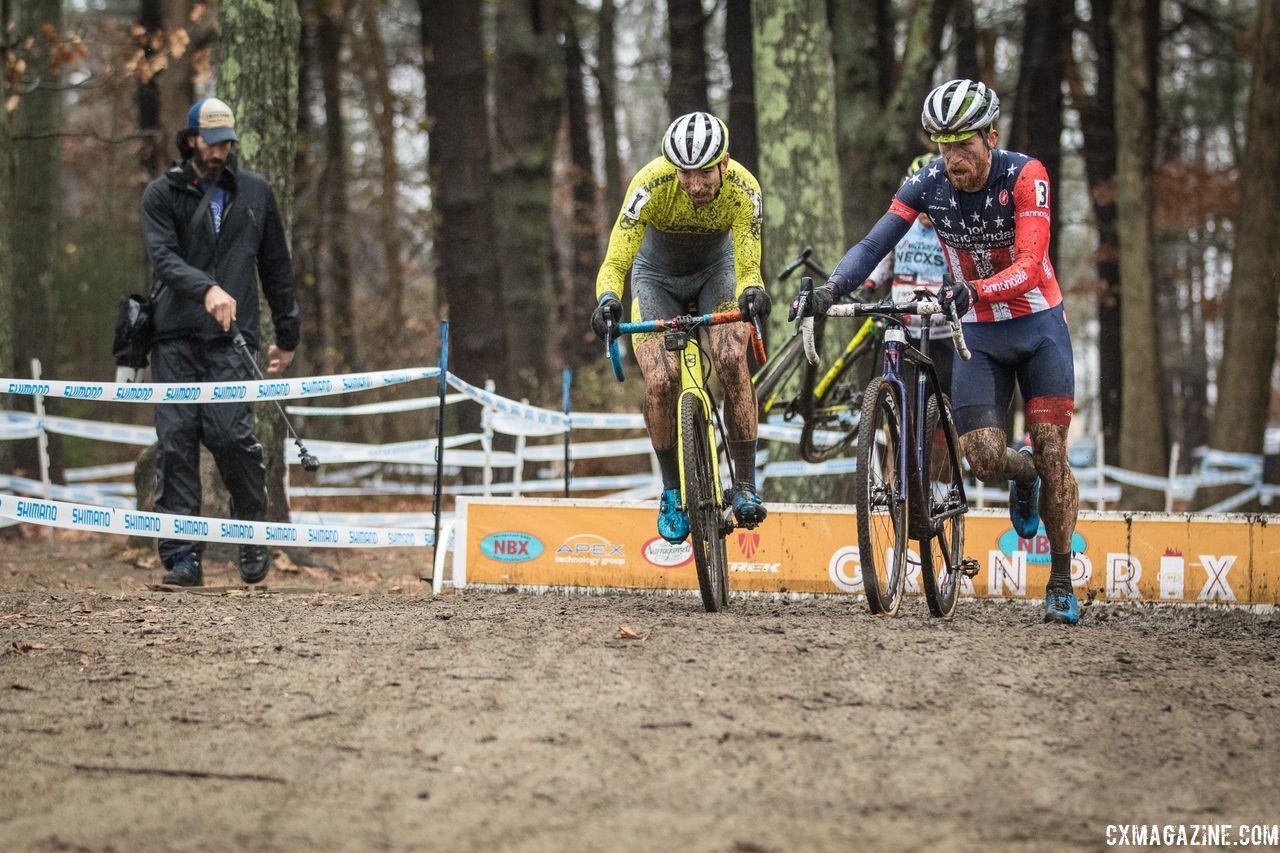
{"x": 702, "y": 505}
{"x": 940, "y": 557}
{"x": 882, "y": 515}
{"x": 831, "y": 417}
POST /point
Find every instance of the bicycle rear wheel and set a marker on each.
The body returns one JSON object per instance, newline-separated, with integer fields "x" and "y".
{"x": 700, "y": 471}
{"x": 882, "y": 516}
{"x": 944, "y": 489}
{"x": 836, "y": 410}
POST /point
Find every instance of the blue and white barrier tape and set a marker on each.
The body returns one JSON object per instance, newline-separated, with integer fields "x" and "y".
{"x": 75, "y": 516}
{"x": 100, "y": 472}
{"x": 389, "y": 406}
{"x": 509, "y": 407}
{"x": 216, "y": 392}
{"x": 86, "y": 494}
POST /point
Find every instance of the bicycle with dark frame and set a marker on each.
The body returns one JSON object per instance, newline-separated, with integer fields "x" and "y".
{"x": 905, "y": 489}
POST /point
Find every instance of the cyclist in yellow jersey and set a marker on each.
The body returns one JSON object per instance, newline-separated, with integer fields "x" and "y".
{"x": 689, "y": 233}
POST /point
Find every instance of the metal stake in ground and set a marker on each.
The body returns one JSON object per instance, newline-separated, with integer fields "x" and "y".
{"x": 310, "y": 463}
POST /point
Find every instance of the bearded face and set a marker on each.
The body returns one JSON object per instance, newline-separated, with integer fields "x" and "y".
{"x": 968, "y": 162}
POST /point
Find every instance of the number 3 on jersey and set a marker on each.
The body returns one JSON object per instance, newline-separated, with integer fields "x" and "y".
{"x": 1042, "y": 193}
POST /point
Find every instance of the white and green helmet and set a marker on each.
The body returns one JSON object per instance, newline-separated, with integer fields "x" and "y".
{"x": 958, "y": 109}
{"x": 695, "y": 141}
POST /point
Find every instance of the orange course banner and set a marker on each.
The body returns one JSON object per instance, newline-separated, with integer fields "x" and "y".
{"x": 1220, "y": 559}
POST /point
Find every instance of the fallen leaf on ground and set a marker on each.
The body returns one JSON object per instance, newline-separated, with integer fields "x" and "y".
{"x": 626, "y": 633}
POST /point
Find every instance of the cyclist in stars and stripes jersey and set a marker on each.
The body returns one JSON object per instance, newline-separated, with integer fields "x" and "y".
{"x": 991, "y": 211}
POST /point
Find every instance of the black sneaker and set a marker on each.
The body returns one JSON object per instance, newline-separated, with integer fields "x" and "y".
{"x": 185, "y": 571}
{"x": 255, "y": 561}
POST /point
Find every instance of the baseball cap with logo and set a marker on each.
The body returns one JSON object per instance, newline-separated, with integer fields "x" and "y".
{"x": 213, "y": 119}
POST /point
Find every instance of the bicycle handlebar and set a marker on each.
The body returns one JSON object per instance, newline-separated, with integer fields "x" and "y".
{"x": 925, "y": 304}
{"x": 685, "y": 323}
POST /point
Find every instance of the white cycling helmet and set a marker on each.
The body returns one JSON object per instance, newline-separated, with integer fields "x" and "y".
{"x": 958, "y": 109}
{"x": 695, "y": 141}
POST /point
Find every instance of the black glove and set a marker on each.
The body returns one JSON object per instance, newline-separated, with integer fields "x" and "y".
{"x": 962, "y": 295}
{"x": 820, "y": 301}
{"x": 608, "y": 309}
{"x": 754, "y": 302}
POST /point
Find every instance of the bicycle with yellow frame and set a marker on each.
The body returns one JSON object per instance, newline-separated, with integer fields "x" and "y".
{"x": 829, "y": 405}
{"x": 702, "y": 493}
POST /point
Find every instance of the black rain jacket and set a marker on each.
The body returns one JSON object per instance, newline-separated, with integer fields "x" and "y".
{"x": 250, "y": 245}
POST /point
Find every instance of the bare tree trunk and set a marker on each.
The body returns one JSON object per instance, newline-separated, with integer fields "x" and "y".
{"x": 607, "y": 80}
{"x": 797, "y": 154}
{"x": 454, "y": 72}
{"x": 1037, "y": 102}
{"x": 1143, "y": 443}
{"x": 686, "y": 33}
{"x": 8, "y": 299}
{"x": 37, "y": 196}
{"x": 317, "y": 356}
{"x": 528, "y": 94}
{"x": 1244, "y": 398}
{"x": 259, "y": 81}
{"x": 382, "y": 110}
{"x": 151, "y": 24}
{"x": 579, "y": 345}
{"x": 878, "y": 102}
{"x": 967, "y": 41}
{"x": 738, "y": 48}
{"x": 334, "y": 227}
{"x": 1097, "y": 119}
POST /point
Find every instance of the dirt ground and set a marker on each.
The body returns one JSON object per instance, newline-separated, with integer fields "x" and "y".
{"x": 350, "y": 710}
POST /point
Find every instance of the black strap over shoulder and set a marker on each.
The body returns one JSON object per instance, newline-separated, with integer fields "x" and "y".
{"x": 201, "y": 208}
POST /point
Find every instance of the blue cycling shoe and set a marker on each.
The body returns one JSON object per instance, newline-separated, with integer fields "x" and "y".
{"x": 1024, "y": 505}
{"x": 673, "y": 524}
{"x": 748, "y": 510}
{"x": 1060, "y": 606}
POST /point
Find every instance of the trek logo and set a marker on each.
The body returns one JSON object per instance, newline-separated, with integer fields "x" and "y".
{"x": 511, "y": 547}
{"x": 749, "y": 543}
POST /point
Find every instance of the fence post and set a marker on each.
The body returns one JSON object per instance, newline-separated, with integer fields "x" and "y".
{"x": 486, "y": 440}
{"x": 444, "y": 385}
{"x": 42, "y": 445}
{"x": 1174, "y": 452}
{"x": 567, "y": 379}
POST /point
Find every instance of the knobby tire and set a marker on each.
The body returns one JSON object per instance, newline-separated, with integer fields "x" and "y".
{"x": 941, "y": 574}
{"x": 702, "y": 507}
{"x": 882, "y": 517}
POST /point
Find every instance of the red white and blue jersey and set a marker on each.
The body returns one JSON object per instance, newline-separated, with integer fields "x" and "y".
{"x": 997, "y": 238}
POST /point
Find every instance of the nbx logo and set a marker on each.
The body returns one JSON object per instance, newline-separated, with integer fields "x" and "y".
{"x": 749, "y": 543}
{"x": 511, "y": 547}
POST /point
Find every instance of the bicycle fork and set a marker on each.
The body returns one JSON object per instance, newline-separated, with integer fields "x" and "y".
{"x": 691, "y": 385}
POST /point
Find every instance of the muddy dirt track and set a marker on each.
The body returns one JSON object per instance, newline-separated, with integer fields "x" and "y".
{"x": 350, "y": 710}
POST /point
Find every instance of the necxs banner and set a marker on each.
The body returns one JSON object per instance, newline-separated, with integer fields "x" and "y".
{"x": 1224, "y": 559}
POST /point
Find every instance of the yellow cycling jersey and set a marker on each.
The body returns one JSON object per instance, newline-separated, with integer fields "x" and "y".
{"x": 655, "y": 199}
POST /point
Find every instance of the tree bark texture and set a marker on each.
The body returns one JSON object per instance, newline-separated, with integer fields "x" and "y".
{"x": 579, "y": 344}
{"x": 1142, "y": 448}
{"x": 1097, "y": 119}
{"x": 381, "y": 107}
{"x": 607, "y": 80}
{"x": 878, "y": 101}
{"x": 1248, "y": 355}
{"x": 317, "y": 356}
{"x": 1037, "y": 103}
{"x": 258, "y": 79}
{"x": 686, "y": 33}
{"x": 796, "y": 109}
{"x": 740, "y": 52}
{"x": 8, "y": 300}
{"x": 459, "y": 165}
{"x": 528, "y": 94}
{"x": 335, "y": 270}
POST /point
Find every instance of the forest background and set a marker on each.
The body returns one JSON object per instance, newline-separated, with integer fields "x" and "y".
{"x": 465, "y": 160}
